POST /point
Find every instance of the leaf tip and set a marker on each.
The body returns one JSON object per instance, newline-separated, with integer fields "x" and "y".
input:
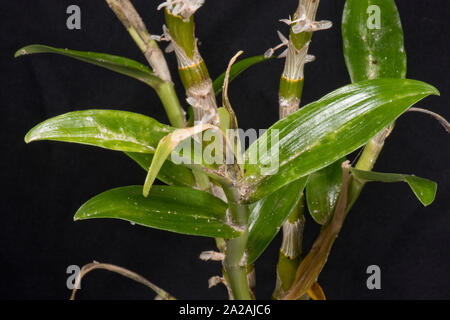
{"x": 146, "y": 191}
{"x": 434, "y": 91}
{"x": 20, "y": 52}
{"x": 29, "y": 137}
{"x": 78, "y": 216}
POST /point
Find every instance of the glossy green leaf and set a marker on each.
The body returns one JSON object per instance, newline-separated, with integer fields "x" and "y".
{"x": 176, "y": 209}
{"x": 322, "y": 192}
{"x": 115, "y": 130}
{"x": 268, "y": 215}
{"x": 424, "y": 189}
{"x": 326, "y": 130}
{"x": 118, "y": 64}
{"x": 373, "y": 50}
{"x": 170, "y": 173}
{"x": 236, "y": 70}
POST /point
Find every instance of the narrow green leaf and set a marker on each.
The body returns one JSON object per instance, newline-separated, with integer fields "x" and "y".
{"x": 322, "y": 192}
{"x": 373, "y": 51}
{"x": 268, "y": 215}
{"x": 115, "y": 130}
{"x": 236, "y": 70}
{"x": 165, "y": 148}
{"x": 176, "y": 209}
{"x": 224, "y": 118}
{"x": 424, "y": 189}
{"x": 118, "y": 64}
{"x": 326, "y": 130}
{"x": 170, "y": 173}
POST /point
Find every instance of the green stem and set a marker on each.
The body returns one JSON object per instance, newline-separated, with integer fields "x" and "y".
{"x": 235, "y": 258}
{"x": 202, "y": 180}
{"x": 169, "y": 99}
{"x": 366, "y": 162}
{"x": 288, "y": 262}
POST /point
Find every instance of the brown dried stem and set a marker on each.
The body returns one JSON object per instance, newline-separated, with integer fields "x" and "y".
{"x": 122, "y": 271}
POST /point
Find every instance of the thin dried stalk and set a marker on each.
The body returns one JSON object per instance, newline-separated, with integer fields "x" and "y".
{"x": 162, "y": 294}
{"x": 438, "y": 117}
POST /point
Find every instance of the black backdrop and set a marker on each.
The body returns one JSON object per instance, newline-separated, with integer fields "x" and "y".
{"x": 44, "y": 183}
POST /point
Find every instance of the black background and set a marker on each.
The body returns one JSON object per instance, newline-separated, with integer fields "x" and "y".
{"x": 45, "y": 183}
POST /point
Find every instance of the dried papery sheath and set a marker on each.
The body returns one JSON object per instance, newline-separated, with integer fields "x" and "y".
{"x": 191, "y": 67}
{"x": 271, "y": 51}
{"x": 291, "y": 245}
{"x": 290, "y": 252}
{"x": 214, "y": 281}
{"x": 304, "y": 18}
{"x": 212, "y": 255}
{"x": 183, "y": 8}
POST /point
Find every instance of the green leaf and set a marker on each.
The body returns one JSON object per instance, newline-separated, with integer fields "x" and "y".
{"x": 424, "y": 189}
{"x": 322, "y": 192}
{"x": 372, "y": 53}
{"x": 170, "y": 173}
{"x": 268, "y": 215}
{"x": 176, "y": 209}
{"x": 165, "y": 148}
{"x": 224, "y": 118}
{"x": 115, "y": 130}
{"x": 118, "y": 64}
{"x": 236, "y": 70}
{"x": 326, "y": 130}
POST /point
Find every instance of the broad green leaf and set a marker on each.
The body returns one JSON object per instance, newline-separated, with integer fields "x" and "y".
{"x": 424, "y": 189}
{"x": 236, "y": 70}
{"x": 115, "y": 130}
{"x": 118, "y": 64}
{"x": 322, "y": 192}
{"x": 170, "y": 173}
{"x": 176, "y": 209}
{"x": 268, "y": 215}
{"x": 373, "y": 51}
{"x": 326, "y": 130}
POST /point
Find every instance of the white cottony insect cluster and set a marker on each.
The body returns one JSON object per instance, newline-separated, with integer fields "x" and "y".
{"x": 303, "y": 22}
{"x": 303, "y": 19}
{"x": 296, "y": 53}
{"x": 184, "y": 8}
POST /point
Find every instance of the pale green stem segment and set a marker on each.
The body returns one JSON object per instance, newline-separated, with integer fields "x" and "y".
{"x": 192, "y": 69}
{"x": 366, "y": 162}
{"x": 131, "y": 20}
{"x": 291, "y": 250}
{"x": 235, "y": 263}
{"x": 169, "y": 99}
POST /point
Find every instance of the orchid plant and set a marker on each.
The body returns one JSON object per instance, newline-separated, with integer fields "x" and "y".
{"x": 297, "y": 166}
